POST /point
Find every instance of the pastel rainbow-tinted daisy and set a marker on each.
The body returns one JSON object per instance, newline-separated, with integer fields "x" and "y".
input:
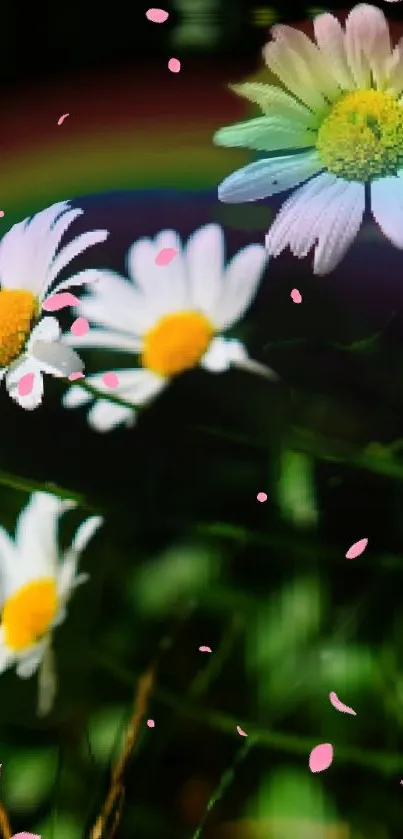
{"x": 335, "y": 126}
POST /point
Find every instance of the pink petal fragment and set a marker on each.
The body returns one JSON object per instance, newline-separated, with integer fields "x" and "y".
{"x": 241, "y": 731}
{"x": 205, "y": 650}
{"x": 151, "y": 723}
{"x": 74, "y": 376}
{"x": 25, "y": 835}
{"x": 261, "y": 496}
{"x": 296, "y": 296}
{"x": 357, "y": 549}
{"x": 61, "y": 119}
{"x": 26, "y": 384}
{"x": 80, "y": 327}
{"x": 157, "y": 15}
{"x": 340, "y": 706}
{"x": 1, "y": 213}
{"x": 110, "y": 380}
{"x": 174, "y": 65}
{"x": 321, "y": 757}
{"x": 165, "y": 256}
{"x": 59, "y": 301}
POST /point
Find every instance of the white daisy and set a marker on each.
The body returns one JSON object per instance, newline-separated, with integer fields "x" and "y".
{"x": 29, "y": 263}
{"x": 36, "y": 583}
{"x": 339, "y": 128}
{"x": 171, "y": 316}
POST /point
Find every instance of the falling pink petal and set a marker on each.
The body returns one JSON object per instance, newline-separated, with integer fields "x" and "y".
{"x": 110, "y": 380}
{"x": 165, "y": 256}
{"x": 296, "y": 296}
{"x": 357, "y": 549}
{"x": 241, "y": 731}
{"x": 80, "y": 327}
{"x": 174, "y": 65}
{"x": 26, "y": 384}
{"x": 151, "y": 723}
{"x": 1, "y": 213}
{"x": 157, "y": 15}
{"x": 59, "y": 301}
{"x": 205, "y": 650}
{"x": 61, "y": 119}
{"x": 340, "y": 706}
{"x": 74, "y": 376}
{"x": 321, "y": 757}
{"x": 261, "y": 496}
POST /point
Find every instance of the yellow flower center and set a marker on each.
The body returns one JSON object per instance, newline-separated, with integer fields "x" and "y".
{"x": 362, "y": 136}
{"x": 176, "y": 343}
{"x": 18, "y": 309}
{"x": 28, "y": 614}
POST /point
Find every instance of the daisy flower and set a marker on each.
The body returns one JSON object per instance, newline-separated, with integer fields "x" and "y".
{"x": 36, "y": 582}
{"x": 30, "y": 260}
{"x": 171, "y": 316}
{"x": 335, "y": 126}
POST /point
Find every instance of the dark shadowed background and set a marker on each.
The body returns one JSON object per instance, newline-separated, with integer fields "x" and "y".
{"x": 188, "y": 556}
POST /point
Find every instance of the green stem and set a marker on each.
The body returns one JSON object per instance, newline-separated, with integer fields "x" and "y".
{"x": 28, "y": 485}
{"x": 268, "y": 738}
{"x": 223, "y": 784}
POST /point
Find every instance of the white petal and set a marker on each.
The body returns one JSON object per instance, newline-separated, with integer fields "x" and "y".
{"x": 339, "y": 228}
{"x": 267, "y": 133}
{"x": 47, "y": 329}
{"x": 387, "y": 207}
{"x": 115, "y": 303}
{"x": 242, "y": 277}
{"x": 268, "y": 177}
{"x": 395, "y": 69}
{"x": 137, "y": 386}
{"x": 221, "y": 353}
{"x": 8, "y": 567}
{"x": 68, "y": 569}
{"x": 73, "y": 249}
{"x": 117, "y": 341}
{"x": 368, "y": 45}
{"x": 164, "y": 287}
{"x": 85, "y": 533}
{"x": 330, "y": 39}
{"x": 293, "y": 72}
{"x": 56, "y": 358}
{"x": 272, "y": 99}
{"x": 292, "y": 214}
{"x": 76, "y": 396}
{"x": 25, "y": 250}
{"x": 36, "y": 535}
{"x": 85, "y": 277}
{"x": 330, "y": 213}
{"x": 308, "y": 61}
{"x": 355, "y": 46}
{"x": 50, "y": 355}
{"x": 7, "y": 658}
{"x": 29, "y": 662}
{"x": 19, "y": 369}
{"x": 105, "y": 416}
{"x": 205, "y": 258}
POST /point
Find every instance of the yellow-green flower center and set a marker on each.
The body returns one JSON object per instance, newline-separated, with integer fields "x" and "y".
{"x": 176, "y": 343}
{"x": 18, "y": 308}
{"x": 362, "y": 136}
{"x": 28, "y": 613}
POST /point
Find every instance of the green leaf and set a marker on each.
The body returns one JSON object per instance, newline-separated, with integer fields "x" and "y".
{"x": 106, "y": 733}
{"x": 29, "y": 778}
{"x": 182, "y": 572}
